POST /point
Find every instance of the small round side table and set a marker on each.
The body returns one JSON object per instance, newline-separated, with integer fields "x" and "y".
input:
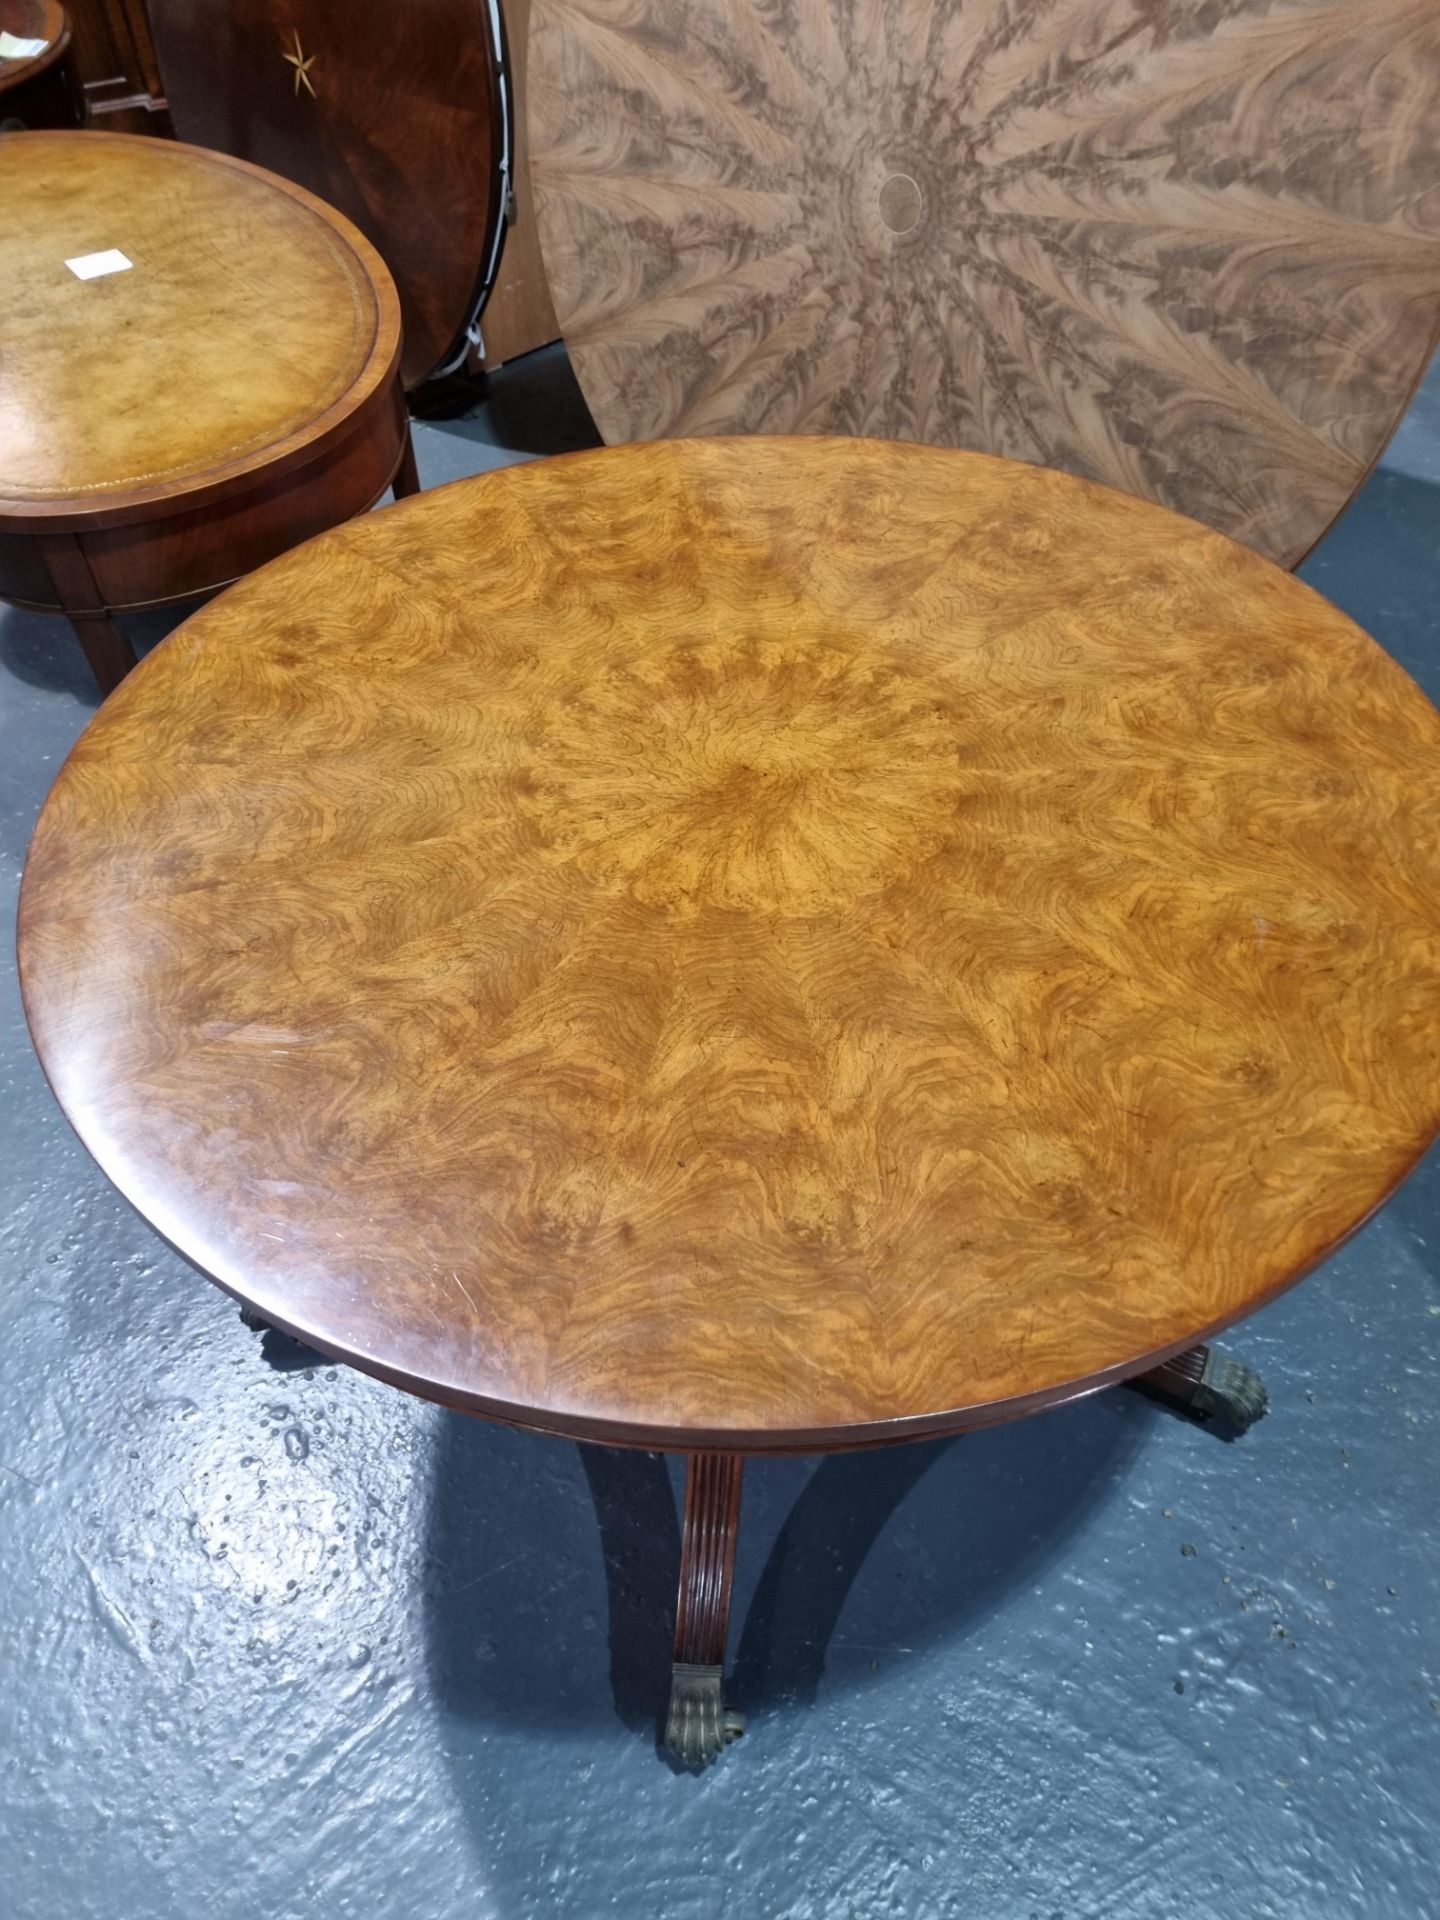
{"x": 40, "y": 88}
{"x": 199, "y": 368}
{"x": 752, "y": 946}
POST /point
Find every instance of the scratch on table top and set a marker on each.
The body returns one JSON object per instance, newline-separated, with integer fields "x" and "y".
{"x": 466, "y": 1291}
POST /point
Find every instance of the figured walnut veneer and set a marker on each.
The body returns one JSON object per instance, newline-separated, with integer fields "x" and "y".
{"x": 751, "y": 943}
{"x": 1187, "y": 247}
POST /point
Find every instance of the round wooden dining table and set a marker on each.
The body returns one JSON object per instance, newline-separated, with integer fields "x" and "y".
{"x": 751, "y": 946}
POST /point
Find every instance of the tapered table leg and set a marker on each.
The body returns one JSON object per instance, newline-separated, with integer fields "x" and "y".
{"x": 699, "y": 1724}
{"x": 109, "y": 653}
{"x": 1208, "y": 1385}
{"x": 407, "y": 474}
{"x": 74, "y": 588}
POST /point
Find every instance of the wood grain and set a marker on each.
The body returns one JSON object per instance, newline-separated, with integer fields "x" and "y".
{"x": 250, "y": 319}
{"x": 397, "y": 120}
{"x": 166, "y": 427}
{"x": 1187, "y": 247}
{"x": 751, "y": 943}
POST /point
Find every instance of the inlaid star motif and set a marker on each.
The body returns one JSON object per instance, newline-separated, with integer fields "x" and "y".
{"x": 302, "y": 65}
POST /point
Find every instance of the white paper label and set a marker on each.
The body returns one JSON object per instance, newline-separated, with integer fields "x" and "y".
{"x": 90, "y": 266}
{"x": 12, "y": 47}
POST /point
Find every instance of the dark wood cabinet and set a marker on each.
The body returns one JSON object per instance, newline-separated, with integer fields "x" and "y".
{"x": 116, "y": 57}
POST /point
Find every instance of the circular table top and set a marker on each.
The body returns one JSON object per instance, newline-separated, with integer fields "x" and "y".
{"x": 43, "y": 20}
{"x": 778, "y": 943}
{"x": 252, "y": 321}
{"x": 1191, "y": 251}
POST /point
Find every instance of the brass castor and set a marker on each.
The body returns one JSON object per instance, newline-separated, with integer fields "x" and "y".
{"x": 699, "y": 1726}
{"x": 1210, "y": 1388}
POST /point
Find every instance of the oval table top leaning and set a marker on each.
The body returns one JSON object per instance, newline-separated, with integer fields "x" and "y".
{"x": 39, "y": 81}
{"x": 199, "y": 368}
{"x": 751, "y": 945}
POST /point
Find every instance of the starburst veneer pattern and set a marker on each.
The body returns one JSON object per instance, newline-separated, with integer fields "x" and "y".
{"x": 1187, "y": 247}
{"x": 751, "y": 943}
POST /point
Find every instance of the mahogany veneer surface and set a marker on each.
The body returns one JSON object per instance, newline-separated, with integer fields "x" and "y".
{"x": 393, "y": 115}
{"x": 117, "y": 64}
{"x": 763, "y": 943}
{"x": 1187, "y": 247}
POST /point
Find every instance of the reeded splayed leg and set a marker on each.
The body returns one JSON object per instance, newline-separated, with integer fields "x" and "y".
{"x": 699, "y": 1725}
{"x": 1208, "y": 1386}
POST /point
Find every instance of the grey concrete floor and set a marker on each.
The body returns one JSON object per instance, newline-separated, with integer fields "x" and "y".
{"x": 282, "y": 1642}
